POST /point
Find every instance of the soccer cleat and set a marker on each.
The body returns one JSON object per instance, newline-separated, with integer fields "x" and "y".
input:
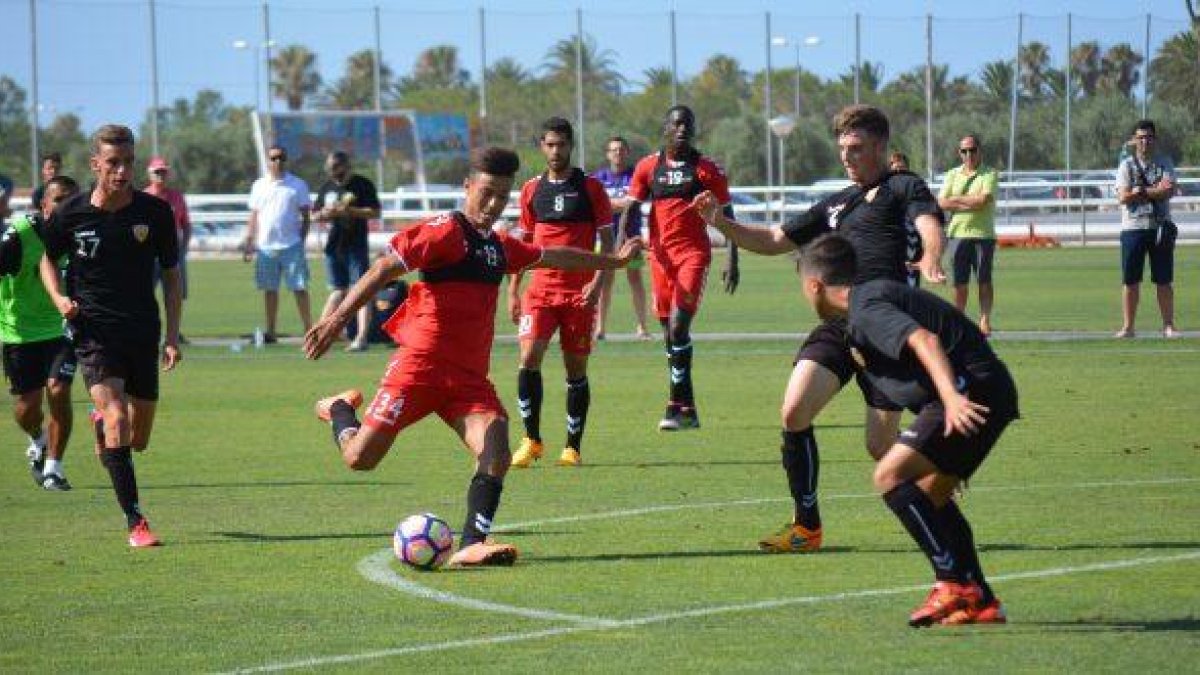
{"x": 993, "y": 613}
{"x": 679, "y": 418}
{"x": 484, "y": 554}
{"x": 1125, "y": 333}
{"x": 140, "y": 535}
{"x": 792, "y": 538}
{"x": 945, "y": 599}
{"x": 53, "y": 482}
{"x": 36, "y": 454}
{"x": 570, "y": 457}
{"x": 352, "y": 396}
{"x": 1170, "y": 332}
{"x": 529, "y": 452}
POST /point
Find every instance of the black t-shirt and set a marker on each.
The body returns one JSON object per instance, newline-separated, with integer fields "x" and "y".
{"x": 111, "y": 258}
{"x": 876, "y": 228}
{"x": 884, "y": 313}
{"x": 347, "y": 234}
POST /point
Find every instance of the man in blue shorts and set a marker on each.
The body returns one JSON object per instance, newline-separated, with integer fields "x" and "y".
{"x": 275, "y": 234}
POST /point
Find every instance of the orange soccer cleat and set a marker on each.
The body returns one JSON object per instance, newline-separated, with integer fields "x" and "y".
{"x": 945, "y": 599}
{"x": 353, "y": 397}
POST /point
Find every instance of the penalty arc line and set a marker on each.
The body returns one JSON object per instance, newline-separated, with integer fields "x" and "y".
{"x": 695, "y": 613}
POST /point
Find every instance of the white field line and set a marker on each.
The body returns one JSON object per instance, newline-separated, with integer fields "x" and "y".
{"x": 695, "y": 613}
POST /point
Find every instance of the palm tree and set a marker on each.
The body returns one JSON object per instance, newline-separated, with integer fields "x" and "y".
{"x": 1120, "y": 69}
{"x": 1034, "y": 58}
{"x": 720, "y": 90}
{"x": 507, "y": 71}
{"x": 870, "y": 76}
{"x": 295, "y": 75}
{"x": 997, "y": 80}
{"x": 1175, "y": 71}
{"x": 659, "y": 77}
{"x": 438, "y": 67}
{"x": 1085, "y": 67}
{"x": 599, "y": 65}
{"x": 355, "y": 90}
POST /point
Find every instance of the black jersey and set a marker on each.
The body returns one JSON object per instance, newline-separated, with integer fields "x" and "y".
{"x": 346, "y": 234}
{"x": 564, "y": 201}
{"x": 876, "y": 228}
{"x": 111, "y": 258}
{"x": 484, "y": 262}
{"x": 884, "y": 313}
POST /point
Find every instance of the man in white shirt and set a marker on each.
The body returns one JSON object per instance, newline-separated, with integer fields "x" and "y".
{"x": 275, "y": 234}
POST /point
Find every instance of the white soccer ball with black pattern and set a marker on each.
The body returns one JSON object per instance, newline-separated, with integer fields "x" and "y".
{"x": 423, "y": 541}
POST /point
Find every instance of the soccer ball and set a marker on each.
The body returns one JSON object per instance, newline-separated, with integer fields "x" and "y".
{"x": 423, "y": 541}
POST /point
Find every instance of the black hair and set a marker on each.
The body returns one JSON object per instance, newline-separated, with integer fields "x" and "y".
{"x": 831, "y": 259}
{"x": 559, "y": 126}
{"x": 495, "y": 161}
{"x": 1144, "y": 125}
{"x": 65, "y": 183}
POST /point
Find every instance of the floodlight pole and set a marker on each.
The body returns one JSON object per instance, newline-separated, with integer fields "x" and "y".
{"x": 579, "y": 136}
{"x": 674, "y": 62}
{"x": 266, "y": 55}
{"x": 34, "y": 151}
{"x": 377, "y": 73}
{"x": 767, "y": 115}
{"x": 483, "y": 65}
{"x": 153, "y": 80}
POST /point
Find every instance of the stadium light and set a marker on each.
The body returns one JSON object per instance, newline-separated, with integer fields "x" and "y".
{"x": 256, "y": 50}
{"x": 810, "y": 41}
{"x": 782, "y": 126}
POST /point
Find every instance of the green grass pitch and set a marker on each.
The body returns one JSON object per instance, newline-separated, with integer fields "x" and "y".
{"x": 644, "y": 559}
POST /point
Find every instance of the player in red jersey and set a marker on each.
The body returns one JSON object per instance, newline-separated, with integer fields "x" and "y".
{"x": 680, "y": 251}
{"x": 445, "y": 330}
{"x": 562, "y": 207}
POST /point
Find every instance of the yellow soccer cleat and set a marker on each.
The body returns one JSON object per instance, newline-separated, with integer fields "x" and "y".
{"x": 529, "y": 452}
{"x": 570, "y": 457}
{"x": 792, "y": 538}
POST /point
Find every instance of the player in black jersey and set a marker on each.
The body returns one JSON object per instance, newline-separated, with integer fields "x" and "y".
{"x": 562, "y": 207}
{"x": 871, "y": 213}
{"x": 112, "y": 236}
{"x": 931, "y": 359}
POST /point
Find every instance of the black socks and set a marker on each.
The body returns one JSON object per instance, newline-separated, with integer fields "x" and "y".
{"x": 918, "y": 515}
{"x": 579, "y": 398}
{"x": 802, "y": 464}
{"x": 341, "y": 414}
{"x": 679, "y": 359}
{"x": 119, "y": 463}
{"x": 529, "y": 401}
{"x": 483, "y": 498}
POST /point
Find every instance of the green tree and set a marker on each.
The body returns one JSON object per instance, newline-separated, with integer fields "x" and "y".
{"x": 14, "y": 131}
{"x": 1175, "y": 71}
{"x": 720, "y": 90}
{"x": 295, "y": 76}
{"x": 598, "y": 66}
{"x": 208, "y": 142}
{"x": 997, "y": 80}
{"x": 355, "y": 89}
{"x": 1034, "y": 58}
{"x": 1120, "y": 69}
{"x": 1085, "y": 67}
{"x": 436, "y": 68}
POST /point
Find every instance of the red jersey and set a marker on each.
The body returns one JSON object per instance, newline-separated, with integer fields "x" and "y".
{"x": 676, "y": 229}
{"x": 563, "y": 213}
{"x": 450, "y": 313}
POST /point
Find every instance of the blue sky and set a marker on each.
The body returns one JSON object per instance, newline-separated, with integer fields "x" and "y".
{"x": 103, "y": 74}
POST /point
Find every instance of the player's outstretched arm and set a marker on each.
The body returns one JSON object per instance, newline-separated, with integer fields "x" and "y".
{"x": 173, "y": 306}
{"x": 567, "y": 258}
{"x": 322, "y": 335}
{"x": 962, "y": 414}
{"x": 761, "y": 240}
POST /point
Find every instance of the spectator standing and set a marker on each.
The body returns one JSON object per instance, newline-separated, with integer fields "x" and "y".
{"x": 969, "y": 193}
{"x": 51, "y": 167}
{"x": 1145, "y": 184}
{"x": 347, "y": 201}
{"x": 615, "y": 178}
{"x": 275, "y": 233}
{"x": 159, "y": 173}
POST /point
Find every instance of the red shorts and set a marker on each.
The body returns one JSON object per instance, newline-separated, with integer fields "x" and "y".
{"x": 574, "y": 320}
{"x": 677, "y": 284}
{"x": 413, "y": 386}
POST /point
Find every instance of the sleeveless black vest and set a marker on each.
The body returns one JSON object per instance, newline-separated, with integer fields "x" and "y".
{"x": 565, "y": 202}
{"x": 679, "y": 181}
{"x": 484, "y": 263}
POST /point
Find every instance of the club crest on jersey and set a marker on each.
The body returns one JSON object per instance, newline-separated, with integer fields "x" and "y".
{"x": 140, "y": 232}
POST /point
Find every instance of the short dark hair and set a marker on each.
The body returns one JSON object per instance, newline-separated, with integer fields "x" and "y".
{"x": 55, "y": 157}
{"x": 6, "y": 186}
{"x": 975, "y": 138}
{"x": 280, "y": 148}
{"x": 1144, "y": 125}
{"x": 617, "y": 139}
{"x": 339, "y": 157}
{"x": 679, "y": 108}
{"x": 898, "y": 156}
{"x": 65, "y": 183}
{"x": 831, "y": 259}
{"x": 111, "y": 134}
{"x": 865, "y": 118}
{"x": 495, "y": 161}
{"x": 560, "y": 126}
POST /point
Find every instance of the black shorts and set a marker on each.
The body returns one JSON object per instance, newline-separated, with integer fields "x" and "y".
{"x": 829, "y": 346}
{"x": 30, "y": 365}
{"x": 135, "y": 362}
{"x": 972, "y": 254}
{"x": 959, "y": 455}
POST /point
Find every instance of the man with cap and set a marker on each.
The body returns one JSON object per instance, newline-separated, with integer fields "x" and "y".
{"x": 159, "y": 172}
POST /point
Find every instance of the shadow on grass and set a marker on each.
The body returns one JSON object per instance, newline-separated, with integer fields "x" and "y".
{"x": 715, "y": 462}
{"x": 263, "y": 537}
{"x": 268, "y": 484}
{"x": 1188, "y": 624}
{"x": 1091, "y": 546}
